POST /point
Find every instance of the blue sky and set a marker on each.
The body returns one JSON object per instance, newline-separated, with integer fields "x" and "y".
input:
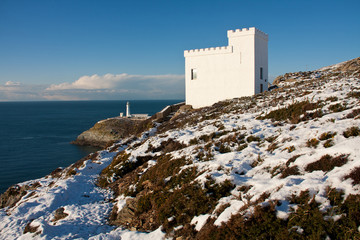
{"x": 79, "y": 50}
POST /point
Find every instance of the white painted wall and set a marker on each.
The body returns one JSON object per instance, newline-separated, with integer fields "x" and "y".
{"x": 227, "y": 72}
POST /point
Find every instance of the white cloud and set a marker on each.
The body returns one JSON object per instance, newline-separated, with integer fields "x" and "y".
{"x": 97, "y": 87}
{"x": 117, "y": 81}
{"x": 11, "y": 83}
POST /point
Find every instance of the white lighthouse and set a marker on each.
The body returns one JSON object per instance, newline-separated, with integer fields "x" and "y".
{"x": 128, "y": 110}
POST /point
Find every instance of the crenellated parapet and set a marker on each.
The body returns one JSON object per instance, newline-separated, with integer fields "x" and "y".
{"x": 245, "y": 32}
{"x": 208, "y": 51}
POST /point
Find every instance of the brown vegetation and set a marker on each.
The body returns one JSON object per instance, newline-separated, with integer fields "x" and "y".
{"x": 327, "y": 163}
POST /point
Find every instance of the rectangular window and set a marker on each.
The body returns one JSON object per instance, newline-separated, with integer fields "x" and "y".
{"x": 193, "y": 74}
{"x": 261, "y": 73}
{"x": 261, "y": 88}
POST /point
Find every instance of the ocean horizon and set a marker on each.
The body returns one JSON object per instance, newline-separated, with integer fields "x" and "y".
{"x": 36, "y": 135}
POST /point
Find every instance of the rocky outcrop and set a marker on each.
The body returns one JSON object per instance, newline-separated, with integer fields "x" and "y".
{"x": 14, "y": 193}
{"x": 108, "y": 131}
{"x": 114, "y": 129}
{"x": 348, "y": 68}
{"x": 351, "y": 66}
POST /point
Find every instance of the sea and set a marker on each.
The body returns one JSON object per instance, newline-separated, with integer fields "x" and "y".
{"x": 35, "y": 136}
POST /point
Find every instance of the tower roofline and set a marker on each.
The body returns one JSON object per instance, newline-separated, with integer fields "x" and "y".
{"x": 245, "y": 32}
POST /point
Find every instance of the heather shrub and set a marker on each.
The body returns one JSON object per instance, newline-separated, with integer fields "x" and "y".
{"x": 332, "y": 99}
{"x": 291, "y": 113}
{"x": 308, "y": 218}
{"x": 179, "y": 206}
{"x": 121, "y": 157}
{"x": 352, "y": 132}
{"x": 292, "y": 159}
{"x": 354, "y": 175}
{"x": 262, "y": 224}
{"x": 327, "y": 135}
{"x": 312, "y": 143}
{"x": 272, "y": 147}
{"x": 257, "y": 161}
{"x": 354, "y": 113}
{"x": 328, "y": 143}
{"x": 224, "y": 148}
{"x": 338, "y": 107}
{"x": 289, "y": 171}
{"x": 271, "y": 138}
{"x": 165, "y": 167}
{"x": 291, "y": 149}
{"x": 241, "y": 147}
{"x": 252, "y": 138}
{"x": 354, "y": 94}
{"x": 169, "y": 145}
{"x": 327, "y": 163}
{"x": 193, "y": 141}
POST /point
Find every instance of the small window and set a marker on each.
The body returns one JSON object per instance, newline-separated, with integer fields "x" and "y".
{"x": 261, "y": 88}
{"x": 261, "y": 73}
{"x": 193, "y": 74}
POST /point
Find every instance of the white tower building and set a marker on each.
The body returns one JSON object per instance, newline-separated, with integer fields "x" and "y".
{"x": 237, "y": 70}
{"x": 128, "y": 110}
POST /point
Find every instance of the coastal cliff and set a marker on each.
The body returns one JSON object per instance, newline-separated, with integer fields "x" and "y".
{"x": 283, "y": 164}
{"x": 108, "y": 131}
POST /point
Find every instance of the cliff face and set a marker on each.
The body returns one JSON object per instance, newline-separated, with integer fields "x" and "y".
{"x": 111, "y": 130}
{"x": 108, "y": 131}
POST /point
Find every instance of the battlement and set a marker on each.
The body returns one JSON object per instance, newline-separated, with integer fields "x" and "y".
{"x": 245, "y": 32}
{"x": 208, "y": 51}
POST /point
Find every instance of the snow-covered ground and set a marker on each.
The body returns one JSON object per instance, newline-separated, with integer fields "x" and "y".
{"x": 88, "y": 206}
{"x": 237, "y": 165}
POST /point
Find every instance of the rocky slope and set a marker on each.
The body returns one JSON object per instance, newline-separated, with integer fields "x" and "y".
{"x": 109, "y": 131}
{"x": 348, "y": 68}
{"x": 283, "y": 164}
